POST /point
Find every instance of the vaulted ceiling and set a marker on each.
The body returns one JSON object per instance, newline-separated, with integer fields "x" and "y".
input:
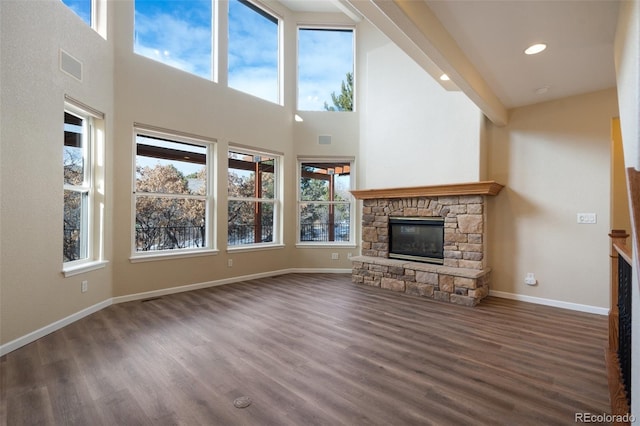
{"x": 480, "y": 44}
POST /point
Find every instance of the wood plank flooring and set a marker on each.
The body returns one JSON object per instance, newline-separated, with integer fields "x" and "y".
{"x": 310, "y": 349}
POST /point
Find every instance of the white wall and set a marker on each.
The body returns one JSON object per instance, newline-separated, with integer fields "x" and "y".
{"x": 33, "y": 290}
{"x": 154, "y": 94}
{"x": 554, "y": 160}
{"x": 407, "y": 131}
{"x": 412, "y": 132}
{"x": 627, "y": 58}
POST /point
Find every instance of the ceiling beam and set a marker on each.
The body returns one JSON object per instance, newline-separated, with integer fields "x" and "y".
{"x": 417, "y": 31}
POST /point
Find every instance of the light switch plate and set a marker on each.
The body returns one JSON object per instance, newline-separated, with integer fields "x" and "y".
{"x": 587, "y": 218}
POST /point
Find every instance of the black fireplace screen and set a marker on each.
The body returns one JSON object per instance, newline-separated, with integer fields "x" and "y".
{"x": 420, "y": 239}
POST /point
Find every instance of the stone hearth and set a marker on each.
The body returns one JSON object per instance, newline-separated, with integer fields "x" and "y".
{"x": 464, "y": 277}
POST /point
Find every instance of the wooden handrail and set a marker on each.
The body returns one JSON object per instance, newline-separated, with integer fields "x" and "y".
{"x": 623, "y": 250}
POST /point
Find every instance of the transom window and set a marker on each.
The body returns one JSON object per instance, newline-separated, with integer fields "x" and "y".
{"x": 325, "y": 69}
{"x": 254, "y": 39}
{"x": 324, "y": 202}
{"x": 176, "y": 33}
{"x": 172, "y": 195}
{"x": 254, "y": 202}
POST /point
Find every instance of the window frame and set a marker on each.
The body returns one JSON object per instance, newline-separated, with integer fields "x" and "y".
{"x": 352, "y": 202}
{"x": 321, "y": 27}
{"x": 209, "y": 198}
{"x": 97, "y": 16}
{"x": 92, "y": 221}
{"x": 269, "y": 14}
{"x": 276, "y": 201}
{"x": 165, "y": 58}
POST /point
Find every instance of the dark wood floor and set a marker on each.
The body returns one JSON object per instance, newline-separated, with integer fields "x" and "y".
{"x": 310, "y": 349}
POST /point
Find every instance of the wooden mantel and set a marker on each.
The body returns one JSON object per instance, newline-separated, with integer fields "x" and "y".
{"x": 472, "y": 188}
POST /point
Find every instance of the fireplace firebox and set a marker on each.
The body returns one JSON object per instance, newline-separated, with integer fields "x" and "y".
{"x": 419, "y": 239}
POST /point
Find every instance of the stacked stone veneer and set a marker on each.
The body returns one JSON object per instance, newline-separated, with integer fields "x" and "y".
{"x": 462, "y": 279}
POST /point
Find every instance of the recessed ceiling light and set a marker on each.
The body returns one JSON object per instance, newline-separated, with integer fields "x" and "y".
{"x": 535, "y": 48}
{"x": 444, "y": 77}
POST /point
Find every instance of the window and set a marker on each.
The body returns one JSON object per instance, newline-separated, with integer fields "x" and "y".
{"x": 176, "y": 33}
{"x": 82, "y": 8}
{"x": 83, "y": 195}
{"x": 253, "y": 50}
{"x": 324, "y": 202}
{"x": 253, "y": 198}
{"x": 172, "y": 195}
{"x": 325, "y": 69}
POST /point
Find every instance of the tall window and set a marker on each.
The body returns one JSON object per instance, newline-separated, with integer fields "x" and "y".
{"x": 253, "y": 50}
{"x": 324, "y": 201}
{"x": 253, "y": 198}
{"x": 83, "y": 195}
{"x": 176, "y": 33}
{"x": 172, "y": 194}
{"x": 77, "y": 186}
{"x": 82, "y": 8}
{"x": 325, "y": 69}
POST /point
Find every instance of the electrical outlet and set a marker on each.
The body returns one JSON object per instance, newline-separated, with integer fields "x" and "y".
{"x": 530, "y": 279}
{"x": 349, "y": 255}
{"x": 84, "y": 286}
{"x": 335, "y": 256}
{"x": 587, "y": 218}
{"x": 229, "y": 263}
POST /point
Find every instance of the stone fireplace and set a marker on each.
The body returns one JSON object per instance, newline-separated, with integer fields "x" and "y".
{"x": 461, "y": 275}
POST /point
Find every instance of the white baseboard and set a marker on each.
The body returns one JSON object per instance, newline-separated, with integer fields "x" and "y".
{"x": 37, "y": 334}
{"x": 48, "y": 329}
{"x": 550, "y": 302}
{"x": 197, "y": 286}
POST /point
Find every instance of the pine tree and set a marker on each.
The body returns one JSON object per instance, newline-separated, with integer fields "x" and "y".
{"x": 343, "y": 101}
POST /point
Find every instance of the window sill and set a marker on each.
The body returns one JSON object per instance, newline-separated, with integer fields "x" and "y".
{"x": 325, "y": 245}
{"x": 166, "y": 256}
{"x": 69, "y": 271}
{"x": 255, "y": 247}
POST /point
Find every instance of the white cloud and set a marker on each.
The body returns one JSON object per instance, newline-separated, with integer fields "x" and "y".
{"x": 260, "y": 82}
{"x": 253, "y": 52}
{"x": 175, "y": 42}
{"x": 324, "y": 59}
{"x": 179, "y": 34}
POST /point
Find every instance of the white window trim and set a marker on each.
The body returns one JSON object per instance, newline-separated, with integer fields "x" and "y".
{"x": 280, "y": 79}
{"x": 151, "y": 256}
{"x": 94, "y": 146}
{"x": 277, "y": 201}
{"x": 71, "y": 270}
{"x": 210, "y": 198}
{"x": 353, "y": 50}
{"x": 352, "y": 203}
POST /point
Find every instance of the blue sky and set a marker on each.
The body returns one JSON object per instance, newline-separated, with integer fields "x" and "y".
{"x": 324, "y": 58}
{"x": 82, "y": 8}
{"x": 253, "y": 52}
{"x": 179, "y": 33}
